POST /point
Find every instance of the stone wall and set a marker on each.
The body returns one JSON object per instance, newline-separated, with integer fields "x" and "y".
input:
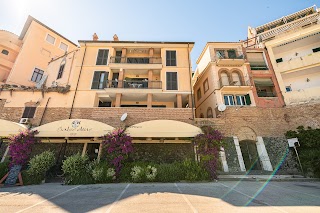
{"x": 231, "y": 155}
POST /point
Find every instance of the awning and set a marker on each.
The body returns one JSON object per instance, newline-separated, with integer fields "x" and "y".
{"x": 263, "y": 82}
{"x": 162, "y": 129}
{"x": 73, "y": 128}
{"x": 7, "y": 128}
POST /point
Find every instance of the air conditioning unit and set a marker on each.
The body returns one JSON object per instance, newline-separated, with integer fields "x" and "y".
{"x": 24, "y": 121}
{"x": 54, "y": 84}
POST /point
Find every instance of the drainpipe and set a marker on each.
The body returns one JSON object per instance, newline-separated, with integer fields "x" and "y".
{"x": 75, "y": 92}
{"x": 192, "y": 101}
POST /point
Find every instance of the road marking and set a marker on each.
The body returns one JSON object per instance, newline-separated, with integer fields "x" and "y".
{"x": 118, "y": 198}
{"x": 48, "y": 199}
{"x": 233, "y": 189}
{"x": 186, "y": 199}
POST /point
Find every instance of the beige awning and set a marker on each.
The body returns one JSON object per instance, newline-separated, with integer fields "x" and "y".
{"x": 73, "y": 128}
{"x": 8, "y": 128}
{"x": 163, "y": 128}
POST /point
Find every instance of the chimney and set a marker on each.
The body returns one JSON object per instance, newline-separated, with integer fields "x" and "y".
{"x": 95, "y": 37}
{"x": 115, "y": 37}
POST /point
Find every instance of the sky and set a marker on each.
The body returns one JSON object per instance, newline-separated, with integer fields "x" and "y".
{"x": 199, "y": 21}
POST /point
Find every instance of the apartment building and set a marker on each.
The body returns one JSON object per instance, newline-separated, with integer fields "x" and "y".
{"x": 293, "y": 44}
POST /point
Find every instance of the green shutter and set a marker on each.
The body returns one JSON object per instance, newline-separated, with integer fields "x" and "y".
{"x": 248, "y": 100}
{"x": 95, "y": 81}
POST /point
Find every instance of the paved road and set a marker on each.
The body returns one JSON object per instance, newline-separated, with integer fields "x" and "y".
{"x": 222, "y": 196}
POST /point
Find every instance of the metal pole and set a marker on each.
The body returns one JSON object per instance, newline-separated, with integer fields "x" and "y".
{"x": 295, "y": 149}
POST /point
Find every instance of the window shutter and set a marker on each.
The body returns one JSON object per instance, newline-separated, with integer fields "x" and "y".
{"x": 29, "y": 112}
{"x": 172, "y": 81}
{"x": 95, "y": 81}
{"x": 248, "y": 100}
{"x": 102, "y": 57}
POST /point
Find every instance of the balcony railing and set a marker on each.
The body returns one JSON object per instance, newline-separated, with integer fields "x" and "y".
{"x": 229, "y": 54}
{"x": 136, "y": 60}
{"x": 226, "y": 82}
{"x": 266, "y": 94}
{"x": 133, "y": 84}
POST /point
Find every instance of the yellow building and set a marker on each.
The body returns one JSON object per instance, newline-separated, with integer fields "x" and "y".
{"x": 293, "y": 43}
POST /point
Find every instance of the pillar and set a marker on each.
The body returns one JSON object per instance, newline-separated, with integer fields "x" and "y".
{"x": 179, "y": 101}
{"x": 151, "y": 51}
{"x": 121, "y": 78}
{"x": 190, "y": 101}
{"x": 149, "y": 100}
{"x": 5, "y": 154}
{"x": 239, "y": 154}
{"x": 100, "y": 151}
{"x": 123, "y": 55}
{"x": 84, "y": 150}
{"x": 263, "y": 154}
{"x": 150, "y": 78}
{"x": 118, "y": 100}
{"x": 224, "y": 160}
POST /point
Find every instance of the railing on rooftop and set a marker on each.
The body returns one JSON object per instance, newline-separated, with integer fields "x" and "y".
{"x": 136, "y": 60}
{"x": 229, "y": 54}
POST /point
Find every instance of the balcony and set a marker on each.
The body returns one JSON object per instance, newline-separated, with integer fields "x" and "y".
{"x": 131, "y": 85}
{"x": 135, "y": 62}
{"x": 233, "y": 86}
{"x": 229, "y": 58}
{"x": 264, "y": 94}
{"x": 300, "y": 62}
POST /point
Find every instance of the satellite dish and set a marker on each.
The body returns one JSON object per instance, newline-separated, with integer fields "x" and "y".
{"x": 124, "y": 116}
{"x": 222, "y": 107}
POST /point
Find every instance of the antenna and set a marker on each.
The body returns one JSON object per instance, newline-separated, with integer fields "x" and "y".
{"x": 124, "y": 116}
{"x": 222, "y": 107}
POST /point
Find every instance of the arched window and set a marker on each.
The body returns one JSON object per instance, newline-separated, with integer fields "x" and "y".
{"x": 5, "y": 52}
{"x": 209, "y": 112}
{"x": 201, "y": 115}
{"x": 224, "y": 79}
{"x": 61, "y": 69}
{"x": 236, "y": 79}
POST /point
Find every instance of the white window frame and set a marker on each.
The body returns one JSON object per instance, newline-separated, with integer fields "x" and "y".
{"x": 61, "y": 42}
{"x": 177, "y": 80}
{"x": 55, "y": 39}
{"x": 30, "y": 79}
{"x": 109, "y": 55}
{"x": 242, "y": 104}
{"x": 234, "y": 103}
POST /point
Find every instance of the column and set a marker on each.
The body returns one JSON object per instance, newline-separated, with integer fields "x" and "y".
{"x": 224, "y": 160}
{"x": 179, "y": 101}
{"x": 123, "y": 55}
{"x": 118, "y": 100}
{"x": 121, "y": 78}
{"x": 190, "y": 101}
{"x": 84, "y": 150}
{"x": 100, "y": 151}
{"x": 151, "y": 51}
{"x": 239, "y": 154}
{"x": 263, "y": 154}
{"x": 5, "y": 154}
{"x": 150, "y": 79}
{"x": 149, "y": 100}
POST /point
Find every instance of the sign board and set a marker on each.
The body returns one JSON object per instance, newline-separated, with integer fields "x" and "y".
{"x": 292, "y": 142}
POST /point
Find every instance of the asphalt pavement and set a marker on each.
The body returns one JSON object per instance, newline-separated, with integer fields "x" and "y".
{"x": 220, "y": 196}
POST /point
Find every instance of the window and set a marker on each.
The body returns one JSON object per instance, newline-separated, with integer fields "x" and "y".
{"x": 102, "y": 57}
{"x": 37, "y": 75}
{"x": 220, "y": 54}
{"x": 63, "y": 46}
{"x": 243, "y": 100}
{"x": 224, "y": 79}
{"x": 29, "y": 112}
{"x": 205, "y": 86}
{"x": 232, "y": 54}
{"x": 5, "y": 52}
{"x": 61, "y": 69}
{"x": 229, "y": 100}
{"x": 209, "y": 113}
{"x": 288, "y": 89}
{"x": 236, "y": 80}
{"x": 100, "y": 79}
{"x": 316, "y": 50}
{"x": 198, "y": 94}
{"x": 257, "y": 61}
{"x": 279, "y": 60}
{"x": 172, "y": 81}
{"x": 104, "y": 104}
{"x": 171, "y": 57}
{"x": 50, "y": 39}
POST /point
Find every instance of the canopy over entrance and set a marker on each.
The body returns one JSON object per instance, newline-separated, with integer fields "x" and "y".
{"x": 7, "y": 128}
{"x": 73, "y": 128}
{"x": 163, "y": 128}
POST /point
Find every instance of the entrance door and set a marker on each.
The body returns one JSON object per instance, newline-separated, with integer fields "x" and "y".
{"x": 93, "y": 150}
{"x": 250, "y": 155}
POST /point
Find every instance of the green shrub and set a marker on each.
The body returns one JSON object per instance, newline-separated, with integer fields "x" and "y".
{"x": 194, "y": 171}
{"x": 101, "y": 173}
{"x": 4, "y": 168}
{"x": 77, "y": 170}
{"x": 170, "y": 172}
{"x": 39, "y": 165}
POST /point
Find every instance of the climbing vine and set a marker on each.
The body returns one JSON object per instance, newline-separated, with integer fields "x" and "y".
{"x": 118, "y": 145}
{"x": 208, "y": 146}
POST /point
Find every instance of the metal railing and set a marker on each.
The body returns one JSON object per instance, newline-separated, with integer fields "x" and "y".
{"x": 133, "y": 84}
{"x": 226, "y": 81}
{"x": 229, "y": 54}
{"x": 266, "y": 94}
{"x": 136, "y": 60}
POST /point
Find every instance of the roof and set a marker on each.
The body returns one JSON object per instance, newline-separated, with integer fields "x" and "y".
{"x": 286, "y": 18}
{"x": 137, "y": 42}
{"x": 28, "y": 23}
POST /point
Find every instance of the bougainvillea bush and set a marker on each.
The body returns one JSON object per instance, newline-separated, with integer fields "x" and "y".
{"x": 208, "y": 146}
{"x": 118, "y": 146}
{"x": 20, "y": 147}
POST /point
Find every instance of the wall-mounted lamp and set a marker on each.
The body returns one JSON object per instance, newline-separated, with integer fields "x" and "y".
{"x": 308, "y": 79}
